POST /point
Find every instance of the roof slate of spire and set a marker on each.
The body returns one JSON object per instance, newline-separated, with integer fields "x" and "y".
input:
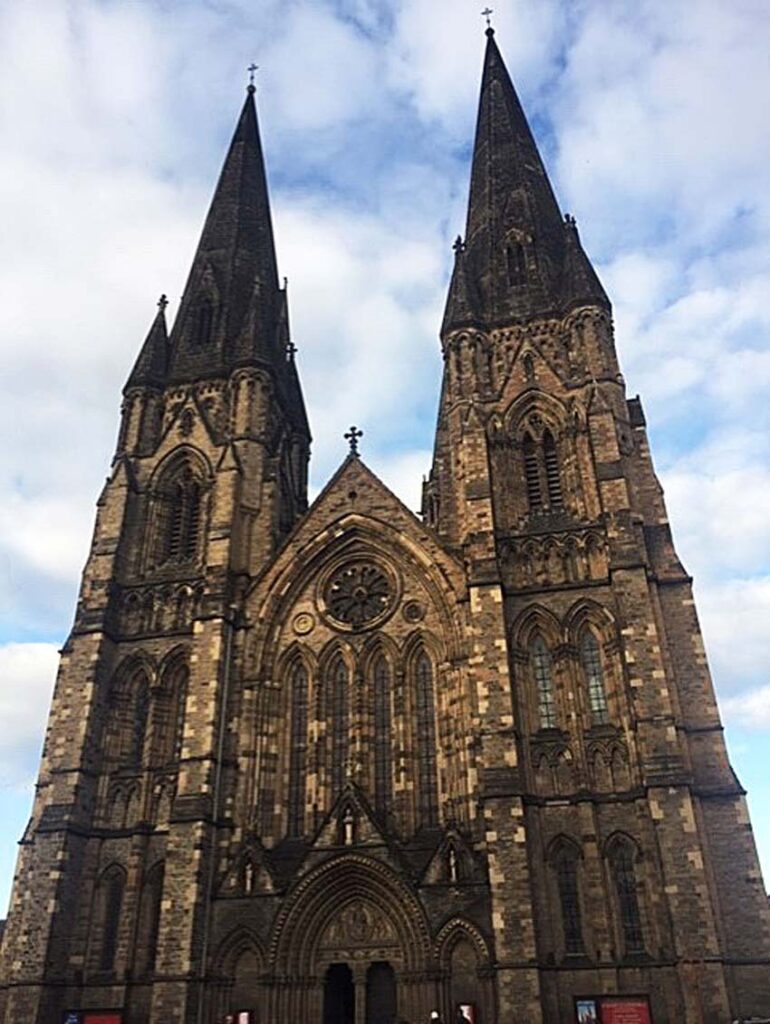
{"x": 151, "y": 363}
{"x": 227, "y": 315}
{"x": 516, "y": 239}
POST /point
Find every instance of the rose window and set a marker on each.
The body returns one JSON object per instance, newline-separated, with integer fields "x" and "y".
{"x": 359, "y": 594}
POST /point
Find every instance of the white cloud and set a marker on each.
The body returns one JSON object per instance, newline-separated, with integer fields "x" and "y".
{"x": 751, "y": 710}
{"x": 27, "y": 674}
{"x": 115, "y": 118}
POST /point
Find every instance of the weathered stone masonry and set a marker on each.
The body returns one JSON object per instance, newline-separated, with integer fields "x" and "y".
{"x": 345, "y": 764}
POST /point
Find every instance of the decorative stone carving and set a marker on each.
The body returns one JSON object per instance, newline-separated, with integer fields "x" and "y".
{"x": 358, "y": 924}
{"x": 359, "y": 594}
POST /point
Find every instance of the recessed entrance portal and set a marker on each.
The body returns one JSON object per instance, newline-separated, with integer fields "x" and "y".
{"x": 339, "y": 995}
{"x": 380, "y": 994}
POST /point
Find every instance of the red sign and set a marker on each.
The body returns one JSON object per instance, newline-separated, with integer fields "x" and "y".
{"x": 625, "y": 1011}
{"x": 102, "y": 1018}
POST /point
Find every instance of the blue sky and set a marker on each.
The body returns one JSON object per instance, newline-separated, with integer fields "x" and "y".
{"x": 115, "y": 118}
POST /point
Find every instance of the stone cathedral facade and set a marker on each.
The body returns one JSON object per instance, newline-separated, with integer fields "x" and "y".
{"x": 341, "y": 764}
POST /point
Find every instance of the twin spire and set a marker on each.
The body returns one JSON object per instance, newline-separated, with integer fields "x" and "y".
{"x": 520, "y": 258}
{"x": 233, "y": 309}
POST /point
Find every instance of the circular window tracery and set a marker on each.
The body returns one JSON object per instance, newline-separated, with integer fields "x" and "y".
{"x": 359, "y": 594}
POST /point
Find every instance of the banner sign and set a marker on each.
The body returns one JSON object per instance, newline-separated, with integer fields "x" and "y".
{"x": 625, "y": 1011}
{"x": 613, "y": 1010}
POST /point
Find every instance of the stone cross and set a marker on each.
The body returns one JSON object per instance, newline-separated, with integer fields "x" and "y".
{"x": 352, "y": 437}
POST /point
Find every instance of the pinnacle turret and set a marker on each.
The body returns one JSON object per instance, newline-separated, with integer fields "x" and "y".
{"x": 519, "y": 258}
{"x": 151, "y": 363}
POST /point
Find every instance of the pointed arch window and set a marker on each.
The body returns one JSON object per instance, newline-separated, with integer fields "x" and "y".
{"x": 383, "y": 760}
{"x": 340, "y": 724}
{"x": 542, "y": 668}
{"x": 108, "y": 906}
{"x": 149, "y": 920}
{"x": 179, "y": 516}
{"x": 532, "y": 474}
{"x": 590, "y": 656}
{"x": 566, "y": 869}
{"x": 129, "y": 712}
{"x": 552, "y": 477}
{"x": 623, "y": 873}
{"x": 542, "y": 476}
{"x": 298, "y": 751}
{"x": 426, "y": 740}
{"x": 184, "y": 521}
{"x": 167, "y": 717}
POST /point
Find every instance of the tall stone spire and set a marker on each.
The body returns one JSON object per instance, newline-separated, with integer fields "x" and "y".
{"x": 230, "y": 307}
{"x": 520, "y": 257}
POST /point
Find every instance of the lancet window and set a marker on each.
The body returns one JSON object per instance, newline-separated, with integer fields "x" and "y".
{"x": 167, "y": 717}
{"x": 149, "y": 920}
{"x": 128, "y": 720}
{"x": 590, "y": 656}
{"x": 426, "y": 740}
{"x": 383, "y": 767}
{"x": 340, "y": 724}
{"x": 541, "y": 472}
{"x": 623, "y": 873}
{"x": 542, "y": 668}
{"x": 566, "y": 869}
{"x": 107, "y": 910}
{"x": 551, "y": 463}
{"x": 298, "y": 751}
{"x": 179, "y": 503}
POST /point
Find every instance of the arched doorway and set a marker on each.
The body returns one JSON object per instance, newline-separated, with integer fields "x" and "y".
{"x": 352, "y": 922}
{"x": 381, "y": 1000}
{"x": 339, "y": 995}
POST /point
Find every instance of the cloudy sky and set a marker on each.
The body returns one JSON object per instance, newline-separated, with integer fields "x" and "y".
{"x": 115, "y": 116}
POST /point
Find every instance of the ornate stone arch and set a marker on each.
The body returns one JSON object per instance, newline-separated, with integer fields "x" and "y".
{"x": 355, "y": 535}
{"x": 178, "y": 507}
{"x": 232, "y": 946}
{"x": 322, "y": 898}
{"x": 239, "y": 964}
{"x": 463, "y": 960}
{"x": 585, "y": 612}
{"x": 551, "y": 410}
{"x": 536, "y": 619}
{"x": 453, "y": 930}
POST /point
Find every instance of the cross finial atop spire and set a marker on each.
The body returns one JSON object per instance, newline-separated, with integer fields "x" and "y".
{"x": 487, "y": 13}
{"x": 162, "y": 303}
{"x": 252, "y": 69}
{"x": 352, "y": 437}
